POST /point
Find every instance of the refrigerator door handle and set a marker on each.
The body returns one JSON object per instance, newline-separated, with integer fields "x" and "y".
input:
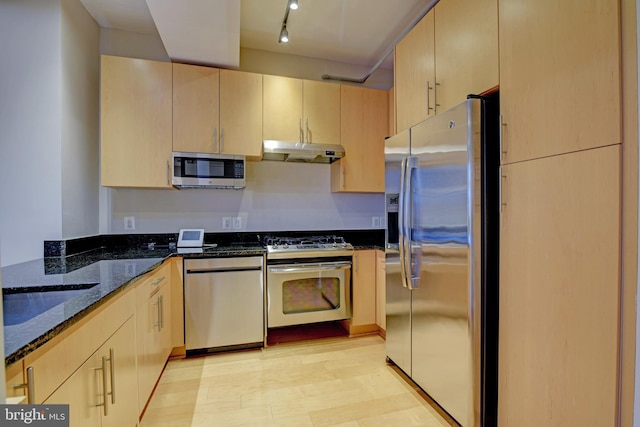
{"x": 402, "y": 235}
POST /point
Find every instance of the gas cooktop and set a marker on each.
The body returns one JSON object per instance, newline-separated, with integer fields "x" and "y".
{"x": 319, "y": 245}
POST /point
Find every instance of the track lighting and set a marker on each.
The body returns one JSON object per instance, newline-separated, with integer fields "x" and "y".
{"x": 284, "y": 34}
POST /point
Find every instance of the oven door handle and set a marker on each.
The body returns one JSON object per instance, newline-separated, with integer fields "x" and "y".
{"x": 310, "y": 267}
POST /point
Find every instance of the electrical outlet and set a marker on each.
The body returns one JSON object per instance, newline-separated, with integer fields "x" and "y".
{"x": 237, "y": 223}
{"x": 129, "y": 222}
{"x": 227, "y": 223}
{"x": 375, "y": 221}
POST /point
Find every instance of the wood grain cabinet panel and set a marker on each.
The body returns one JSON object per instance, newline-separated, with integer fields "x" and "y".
{"x": 196, "y": 109}
{"x": 560, "y": 290}
{"x": 559, "y": 76}
{"x": 84, "y": 390}
{"x": 282, "y": 109}
{"x": 241, "y": 113}
{"x": 415, "y": 74}
{"x": 364, "y": 288}
{"x": 321, "y": 112}
{"x": 466, "y": 50}
{"x": 135, "y": 127}
{"x": 363, "y": 130}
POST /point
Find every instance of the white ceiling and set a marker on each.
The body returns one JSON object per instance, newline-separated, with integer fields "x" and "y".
{"x": 212, "y": 31}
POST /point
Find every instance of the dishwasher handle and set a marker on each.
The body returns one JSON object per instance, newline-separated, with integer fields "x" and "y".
{"x": 297, "y": 268}
{"x": 223, "y": 270}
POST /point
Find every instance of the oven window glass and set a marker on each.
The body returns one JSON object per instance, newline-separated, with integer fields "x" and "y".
{"x": 310, "y": 294}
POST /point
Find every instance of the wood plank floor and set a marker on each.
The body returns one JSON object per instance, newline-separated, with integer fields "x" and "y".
{"x": 328, "y": 382}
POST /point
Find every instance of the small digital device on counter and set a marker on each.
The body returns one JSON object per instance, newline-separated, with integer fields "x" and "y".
{"x": 191, "y": 238}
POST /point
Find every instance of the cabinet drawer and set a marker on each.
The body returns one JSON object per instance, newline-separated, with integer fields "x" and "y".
{"x": 151, "y": 284}
{"x": 54, "y": 362}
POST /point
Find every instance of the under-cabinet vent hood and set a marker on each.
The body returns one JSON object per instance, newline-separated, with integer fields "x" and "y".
{"x": 301, "y": 152}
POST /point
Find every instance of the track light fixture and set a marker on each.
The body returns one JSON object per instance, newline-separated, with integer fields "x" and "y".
{"x": 284, "y": 34}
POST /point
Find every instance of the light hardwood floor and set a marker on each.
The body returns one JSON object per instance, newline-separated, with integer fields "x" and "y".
{"x": 329, "y": 382}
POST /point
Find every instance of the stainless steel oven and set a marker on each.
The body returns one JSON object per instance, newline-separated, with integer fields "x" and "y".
{"x": 308, "y": 281}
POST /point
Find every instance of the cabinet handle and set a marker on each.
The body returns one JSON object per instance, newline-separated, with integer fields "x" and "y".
{"x": 215, "y": 140}
{"x": 112, "y": 366}
{"x": 105, "y": 392}
{"x": 501, "y": 138}
{"x": 158, "y": 281}
{"x": 435, "y": 97}
{"x": 500, "y": 189}
{"x": 222, "y": 141}
{"x": 428, "y": 98}
{"x": 356, "y": 263}
{"x": 157, "y": 304}
{"x": 161, "y": 305}
{"x": 29, "y": 386}
{"x": 301, "y": 131}
{"x": 344, "y": 178}
{"x": 308, "y": 140}
{"x": 168, "y": 182}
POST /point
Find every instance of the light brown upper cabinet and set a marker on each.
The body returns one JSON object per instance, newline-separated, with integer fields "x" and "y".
{"x": 364, "y": 127}
{"x": 196, "y": 109}
{"x": 217, "y": 111}
{"x": 415, "y": 75}
{"x": 135, "y": 128}
{"x": 450, "y": 53}
{"x": 466, "y": 47}
{"x": 559, "y": 76}
{"x": 301, "y": 110}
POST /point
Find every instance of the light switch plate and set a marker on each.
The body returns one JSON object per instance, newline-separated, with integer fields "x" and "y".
{"x": 129, "y": 222}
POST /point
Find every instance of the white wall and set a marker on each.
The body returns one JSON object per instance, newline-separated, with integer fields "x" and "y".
{"x": 80, "y": 120}
{"x": 278, "y": 197}
{"x": 30, "y": 127}
{"x": 45, "y": 124}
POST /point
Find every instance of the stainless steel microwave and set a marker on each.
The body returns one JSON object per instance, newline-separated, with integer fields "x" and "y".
{"x": 203, "y": 170}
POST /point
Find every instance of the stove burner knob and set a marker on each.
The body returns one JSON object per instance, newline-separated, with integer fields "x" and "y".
{"x": 286, "y": 246}
{"x": 335, "y": 245}
{"x": 275, "y": 246}
{"x": 344, "y": 244}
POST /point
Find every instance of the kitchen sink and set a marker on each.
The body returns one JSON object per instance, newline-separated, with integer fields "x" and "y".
{"x": 19, "y": 307}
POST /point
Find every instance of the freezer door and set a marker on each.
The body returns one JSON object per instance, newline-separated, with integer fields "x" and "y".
{"x": 442, "y": 222}
{"x": 398, "y": 313}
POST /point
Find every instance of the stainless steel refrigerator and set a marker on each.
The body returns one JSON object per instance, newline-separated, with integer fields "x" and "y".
{"x": 442, "y": 260}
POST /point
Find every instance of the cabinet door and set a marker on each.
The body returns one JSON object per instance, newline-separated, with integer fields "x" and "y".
{"x": 123, "y": 381}
{"x": 559, "y": 76}
{"x": 363, "y": 129}
{"x": 559, "y": 290}
{"x": 414, "y": 71}
{"x": 364, "y": 288}
{"x": 153, "y": 335}
{"x": 282, "y": 109}
{"x": 466, "y": 48}
{"x": 196, "y": 109}
{"x": 135, "y": 128}
{"x": 321, "y": 108}
{"x": 83, "y": 392}
{"x": 241, "y": 113}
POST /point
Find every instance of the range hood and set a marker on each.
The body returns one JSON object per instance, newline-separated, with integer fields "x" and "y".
{"x": 301, "y": 152}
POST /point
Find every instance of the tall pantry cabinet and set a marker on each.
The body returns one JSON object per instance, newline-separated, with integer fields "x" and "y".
{"x": 560, "y": 223}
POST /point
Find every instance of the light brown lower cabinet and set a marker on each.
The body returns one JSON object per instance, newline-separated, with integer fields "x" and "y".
{"x": 560, "y": 290}
{"x": 363, "y": 293}
{"x": 98, "y": 393}
{"x": 153, "y": 330}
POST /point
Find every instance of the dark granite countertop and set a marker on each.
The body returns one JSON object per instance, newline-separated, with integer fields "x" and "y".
{"x": 43, "y": 297}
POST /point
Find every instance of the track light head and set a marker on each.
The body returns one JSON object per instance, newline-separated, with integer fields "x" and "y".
{"x": 284, "y": 35}
{"x": 293, "y": 4}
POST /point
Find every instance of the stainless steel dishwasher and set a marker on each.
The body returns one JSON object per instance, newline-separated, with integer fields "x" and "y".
{"x": 223, "y": 304}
